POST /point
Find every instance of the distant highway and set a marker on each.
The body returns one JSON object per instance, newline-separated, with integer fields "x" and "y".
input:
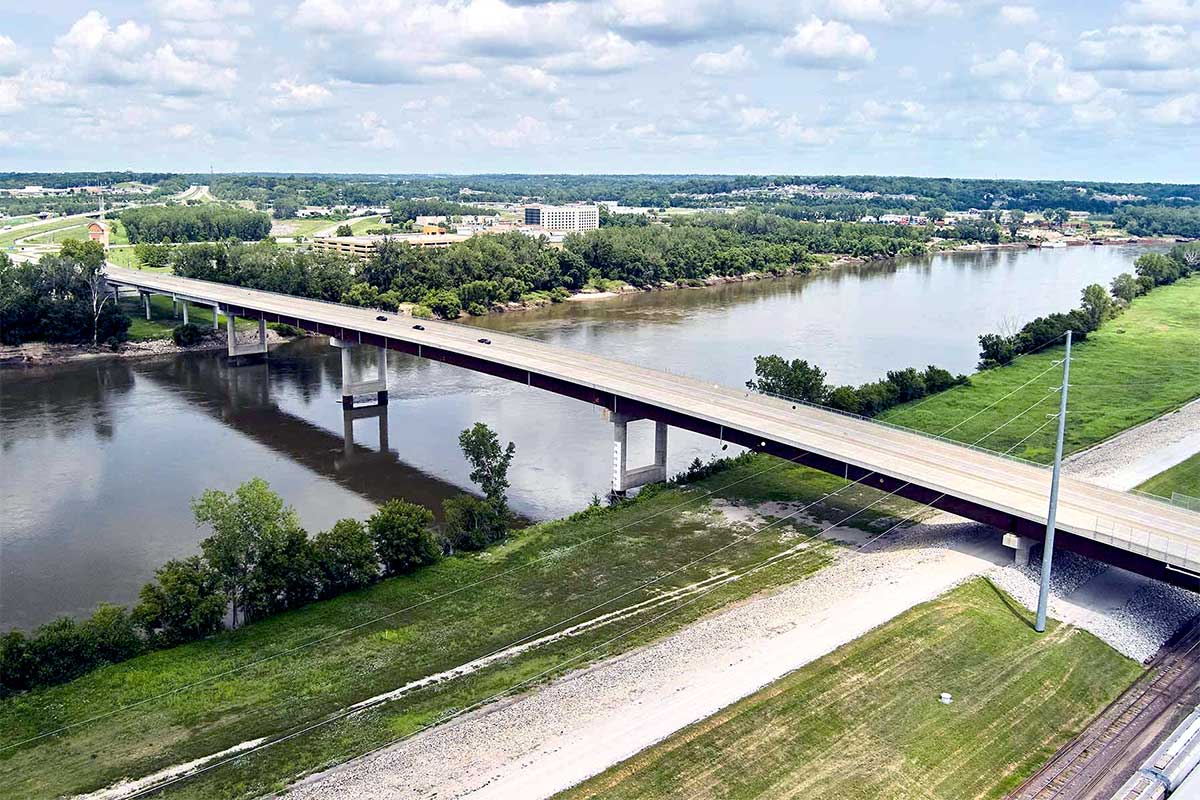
{"x": 1135, "y": 532}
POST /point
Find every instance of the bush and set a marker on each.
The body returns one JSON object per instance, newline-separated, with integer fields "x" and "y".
{"x": 346, "y": 556}
{"x": 187, "y": 335}
{"x": 344, "y": 230}
{"x": 60, "y": 651}
{"x": 422, "y": 312}
{"x": 113, "y": 634}
{"x": 16, "y": 663}
{"x": 403, "y": 536}
{"x": 284, "y": 329}
{"x": 183, "y": 603}
{"x": 471, "y": 523}
{"x": 477, "y": 309}
{"x": 443, "y": 303}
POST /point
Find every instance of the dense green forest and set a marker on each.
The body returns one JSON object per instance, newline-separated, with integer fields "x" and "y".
{"x": 1159, "y": 221}
{"x": 194, "y": 223}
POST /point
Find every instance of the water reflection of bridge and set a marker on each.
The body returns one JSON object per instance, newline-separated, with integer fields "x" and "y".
{"x": 240, "y": 397}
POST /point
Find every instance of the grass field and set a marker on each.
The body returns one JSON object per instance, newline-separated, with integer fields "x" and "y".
{"x": 1136, "y": 367}
{"x": 1184, "y": 478}
{"x": 865, "y": 722}
{"x": 8, "y": 237}
{"x": 363, "y": 225}
{"x": 560, "y": 572}
{"x": 163, "y": 320}
{"x": 299, "y": 227}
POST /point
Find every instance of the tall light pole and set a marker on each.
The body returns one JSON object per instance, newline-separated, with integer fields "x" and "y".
{"x": 1048, "y": 547}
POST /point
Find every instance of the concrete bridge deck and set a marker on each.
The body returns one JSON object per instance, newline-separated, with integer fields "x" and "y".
{"x": 1150, "y": 537}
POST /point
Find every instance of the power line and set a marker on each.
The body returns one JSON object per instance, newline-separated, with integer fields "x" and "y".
{"x": 772, "y": 559}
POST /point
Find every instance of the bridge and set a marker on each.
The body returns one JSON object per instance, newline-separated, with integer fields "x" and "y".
{"x": 1138, "y": 533}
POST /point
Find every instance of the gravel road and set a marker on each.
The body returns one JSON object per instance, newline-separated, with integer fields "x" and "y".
{"x": 1140, "y": 453}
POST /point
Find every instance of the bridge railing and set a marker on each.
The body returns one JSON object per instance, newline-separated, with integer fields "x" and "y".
{"x": 1176, "y": 554}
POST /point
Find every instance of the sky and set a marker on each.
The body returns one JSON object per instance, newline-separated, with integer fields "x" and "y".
{"x": 1084, "y": 89}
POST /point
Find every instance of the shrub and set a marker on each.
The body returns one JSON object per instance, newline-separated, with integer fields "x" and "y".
{"x": 471, "y": 523}
{"x": 113, "y": 634}
{"x": 403, "y": 536}
{"x": 344, "y": 230}
{"x": 183, "y": 603}
{"x": 443, "y": 303}
{"x": 187, "y": 335}
{"x": 346, "y": 556}
{"x": 422, "y": 312}
{"x": 60, "y": 651}
{"x": 284, "y": 329}
{"x": 477, "y": 309}
{"x": 16, "y": 663}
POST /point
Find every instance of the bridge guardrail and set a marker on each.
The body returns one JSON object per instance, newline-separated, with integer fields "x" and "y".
{"x": 1174, "y": 553}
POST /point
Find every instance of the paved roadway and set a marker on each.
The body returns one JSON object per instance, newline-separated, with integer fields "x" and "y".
{"x": 1019, "y": 490}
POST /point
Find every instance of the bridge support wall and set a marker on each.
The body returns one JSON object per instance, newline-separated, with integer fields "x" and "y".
{"x": 624, "y": 478}
{"x": 351, "y": 387}
{"x": 1022, "y": 547}
{"x": 238, "y": 349}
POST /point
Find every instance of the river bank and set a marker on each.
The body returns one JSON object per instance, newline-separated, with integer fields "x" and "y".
{"x": 40, "y": 354}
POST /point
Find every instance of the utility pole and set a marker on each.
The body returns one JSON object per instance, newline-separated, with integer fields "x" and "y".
{"x": 1048, "y": 547}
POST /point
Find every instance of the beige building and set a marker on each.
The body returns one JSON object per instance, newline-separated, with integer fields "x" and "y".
{"x": 572, "y": 218}
{"x": 364, "y": 246}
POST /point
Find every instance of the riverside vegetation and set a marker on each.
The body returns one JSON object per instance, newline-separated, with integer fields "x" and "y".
{"x": 259, "y": 562}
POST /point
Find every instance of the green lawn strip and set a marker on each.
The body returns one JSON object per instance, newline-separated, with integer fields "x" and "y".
{"x": 865, "y": 721}
{"x": 302, "y": 227}
{"x": 363, "y": 225}
{"x": 284, "y": 694}
{"x": 1183, "y": 478}
{"x": 1136, "y": 367}
{"x": 7, "y": 238}
{"x": 163, "y": 320}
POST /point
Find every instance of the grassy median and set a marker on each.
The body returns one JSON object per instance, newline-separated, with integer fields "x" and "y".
{"x": 1136, "y": 367}
{"x": 1183, "y": 478}
{"x": 865, "y": 721}
{"x": 557, "y": 574}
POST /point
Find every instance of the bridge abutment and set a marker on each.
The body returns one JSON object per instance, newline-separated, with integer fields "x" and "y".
{"x": 1022, "y": 547}
{"x": 624, "y": 478}
{"x": 351, "y": 387}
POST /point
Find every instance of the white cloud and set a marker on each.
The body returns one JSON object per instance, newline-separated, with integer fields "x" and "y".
{"x": 734, "y": 60}
{"x": 1018, "y": 15}
{"x": 530, "y": 79}
{"x": 607, "y": 52}
{"x": 296, "y": 96}
{"x": 374, "y": 131}
{"x": 170, "y": 73}
{"x": 1138, "y": 47}
{"x": 674, "y": 21}
{"x": 1036, "y": 74}
{"x": 201, "y": 10}
{"x": 96, "y": 52}
{"x": 182, "y": 130}
{"x": 12, "y": 56}
{"x": 10, "y": 96}
{"x": 524, "y": 132}
{"x": 817, "y": 43}
{"x": 794, "y": 131}
{"x": 1172, "y": 11}
{"x": 890, "y": 11}
{"x": 1182, "y": 110}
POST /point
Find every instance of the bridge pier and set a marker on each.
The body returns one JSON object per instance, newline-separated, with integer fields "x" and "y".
{"x": 624, "y": 478}
{"x": 216, "y": 311}
{"x": 185, "y": 312}
{"x": 237, "y": 349}
{"x": 351, "y": 387}
{"x": 1022, "y": 547}
{"x": 146, "y": 303}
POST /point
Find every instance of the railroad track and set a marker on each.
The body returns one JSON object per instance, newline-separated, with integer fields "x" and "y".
{"x": 1097, "y": 761}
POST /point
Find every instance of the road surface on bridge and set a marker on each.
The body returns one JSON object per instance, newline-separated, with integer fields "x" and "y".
{"x": 1004, "y": 491}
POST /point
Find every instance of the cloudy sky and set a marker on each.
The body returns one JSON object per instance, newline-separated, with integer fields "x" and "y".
{"x": 973, "y": 88}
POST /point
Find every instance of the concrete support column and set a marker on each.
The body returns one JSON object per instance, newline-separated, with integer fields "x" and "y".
{"x": 1022, "y": 547}
{"x": 185, "y": 312}
{"x": 215, "y": 314}
{"x": 250, "y": 348}
{"x": 351, "y": 387}
{"x": 174, "y": 306}
{"x": 624, "y": 478}
{"x": 146, "y": 303}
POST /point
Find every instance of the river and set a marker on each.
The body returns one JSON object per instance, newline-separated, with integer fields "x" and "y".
{"x": 99, "y": 460}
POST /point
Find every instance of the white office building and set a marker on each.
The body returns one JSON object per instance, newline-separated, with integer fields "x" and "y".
{"x": 572, "y": 218}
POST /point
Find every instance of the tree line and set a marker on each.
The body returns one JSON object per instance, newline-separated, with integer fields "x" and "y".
{"x": 259, "y": 561}
{"x": 799, "y": 380}
{"x": 1159, "y": 220}
{"x": 1096, "y": 306}
{"x": 60, "y": 298}
{"x": 194, "y": 223}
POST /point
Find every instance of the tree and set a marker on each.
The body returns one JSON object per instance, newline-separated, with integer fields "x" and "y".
{"x": 797, "y": 380}
{"x": 257, "y": 547}
{"x": 184, "y": 602}
{"x": 443, "y": 302}
{"x": 1157, "y": 269}
{"x": 88, "y": 261}
{"x": 60, "y": 651}
{"x": 1125, "y": 287}
{"x": 1016, "y": 217}
{"x": 1097, "y": 305}
{"x": 910, "y": 384}
{"x": 995, "y": 350}
{"x": 489, "y": 463}
{"x": 346, "y": 557}
{"x": 285, "y": 209}
{"x": 344, "y": 230}
{"x": 16, "y": 663}
{"x": 403, "y": 536}
{"x": 154, "y": 256}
